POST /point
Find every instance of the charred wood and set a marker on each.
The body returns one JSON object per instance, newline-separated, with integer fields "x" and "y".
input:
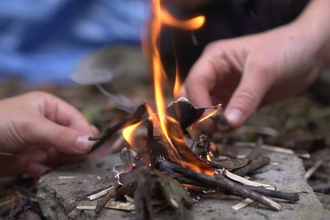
{"x": 252, "y": 166}
{"x": 222, "y": 183}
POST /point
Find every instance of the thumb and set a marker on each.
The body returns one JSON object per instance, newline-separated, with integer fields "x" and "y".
{"x": 64, "y": 139}
{"x": 247, "y": 97}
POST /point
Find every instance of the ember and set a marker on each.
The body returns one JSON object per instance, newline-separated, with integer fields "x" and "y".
{"x": 172, "y": 160}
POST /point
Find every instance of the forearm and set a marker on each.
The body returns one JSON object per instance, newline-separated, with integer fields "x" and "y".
{"x": 314, "y": 24}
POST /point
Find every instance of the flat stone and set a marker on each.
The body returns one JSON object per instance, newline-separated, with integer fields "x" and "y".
{"x": 62, "y": 190}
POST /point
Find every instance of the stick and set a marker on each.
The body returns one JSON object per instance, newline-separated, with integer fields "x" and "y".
{"x": 221, "y": 182}
{"x": 99, "y": 194}
{"x": 109, "y": 131}
{"x": 252, "y": 166}
{"x": 291, "y": 197}
{"x": 311, "y": 170}
{"x": 276, "y": 149}
{"x": 101, "y": 203}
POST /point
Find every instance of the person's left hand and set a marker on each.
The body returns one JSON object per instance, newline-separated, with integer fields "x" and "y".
{"x": 38, "y": 132}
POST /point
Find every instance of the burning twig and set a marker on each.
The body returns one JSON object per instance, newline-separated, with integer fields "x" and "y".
{"x": 133, "y": 118}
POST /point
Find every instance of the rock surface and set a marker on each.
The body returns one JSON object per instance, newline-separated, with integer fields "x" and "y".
{"x": 60, "y": 191}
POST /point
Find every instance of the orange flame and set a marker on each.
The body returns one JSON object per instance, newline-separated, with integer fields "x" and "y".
{"x": 208, "y": 156}
{"x": 161, "y": 17}
{"x": 128, "y": 133}
{"x": 191, "y": 24}
{"x": 214, "y": 111}
{"x": 177, "y": 83}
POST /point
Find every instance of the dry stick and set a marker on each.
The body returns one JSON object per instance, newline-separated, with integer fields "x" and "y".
{"x": 101, "y": 203}
{"x": 252, "y": 166}
{"x": 99, "y": 194}
{"x": 131, "y": 119}
{"x": 222, "y": 183}
{"x": 291, "y": 197}
{"x": 312, "y": 170}
{"x": 276, "y": 149}
{"x": 184, "y": 180}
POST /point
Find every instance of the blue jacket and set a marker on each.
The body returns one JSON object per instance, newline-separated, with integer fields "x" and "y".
{"x": 42, "y": 40}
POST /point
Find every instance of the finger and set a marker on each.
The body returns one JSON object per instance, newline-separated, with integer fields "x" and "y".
{"x": 94, "y": 130}
{"x": 204, "y": 75}
{"x": 255, "y": 83}
{"x": 64, "y": 139}
{"x": 64, "y": 114}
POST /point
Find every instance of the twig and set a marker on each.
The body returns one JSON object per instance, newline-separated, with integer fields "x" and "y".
{"x": 242, "y": 204}
{"x": 99, "y": 194}
{"x": 252, "y": 166}
{"x": 291, "y": 197}
{"x": 274, "y": 149}
{"x": 245, "y": 181}
{"x": 311, "y": 170}
{"x": 109, "y": 131}
{"x": 101, "y": 203}
{"x": 86, "y": 207}
{"x": 222, "y": 183}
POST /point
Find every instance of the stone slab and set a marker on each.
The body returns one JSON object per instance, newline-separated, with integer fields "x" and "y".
{"x": 60, "y": 191}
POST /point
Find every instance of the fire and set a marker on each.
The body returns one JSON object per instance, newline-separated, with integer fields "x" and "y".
{"x": 215, "y": 110}
{"x": 173, "y": 135}
{"x": 191, "y": 24}
{"x": 177, "y": 83}
{"x": 159, "y": 17}
{"x": 128, "y": 133}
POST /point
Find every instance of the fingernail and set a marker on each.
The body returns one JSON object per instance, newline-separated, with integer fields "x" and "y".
{"x": 234, "y": 117}
{"x": 83, "y": 144}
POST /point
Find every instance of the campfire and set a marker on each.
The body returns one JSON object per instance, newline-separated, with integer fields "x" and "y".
{"x": 171, "y": 164}
{"x": 175, "y": 162}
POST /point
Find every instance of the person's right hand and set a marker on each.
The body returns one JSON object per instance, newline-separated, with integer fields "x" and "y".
{"x": 246, "y": 72}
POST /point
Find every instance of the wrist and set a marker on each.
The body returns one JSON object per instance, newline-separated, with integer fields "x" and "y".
{"x": 313, "y": 26}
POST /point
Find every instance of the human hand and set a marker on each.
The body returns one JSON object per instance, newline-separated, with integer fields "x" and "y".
{"x": 40, "y": 131}
{"x": 246, "y": 72}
